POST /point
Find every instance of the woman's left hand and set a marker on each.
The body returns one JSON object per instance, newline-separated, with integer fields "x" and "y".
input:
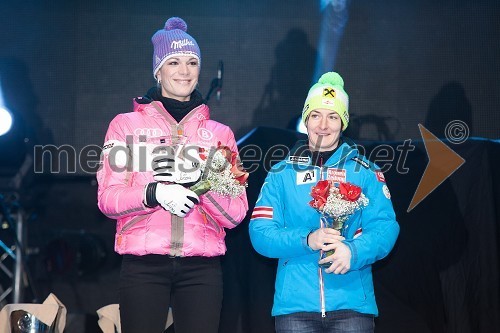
{"x": 341, "y": 259}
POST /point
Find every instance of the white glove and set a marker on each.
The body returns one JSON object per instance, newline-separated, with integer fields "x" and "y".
{"x": 176, "y": 198}
{"x": 179, "y": 171}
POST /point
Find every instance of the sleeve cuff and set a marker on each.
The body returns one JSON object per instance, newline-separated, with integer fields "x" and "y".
{"x": 304, "y": 241}
{"x": 150, "y": 195}
{"x": 354, "y": 253}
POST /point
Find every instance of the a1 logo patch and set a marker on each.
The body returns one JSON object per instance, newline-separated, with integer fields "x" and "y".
{"x": 306, "y": 177}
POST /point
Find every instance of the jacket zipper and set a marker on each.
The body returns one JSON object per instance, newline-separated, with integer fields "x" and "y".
{"x": 320, "y": 270}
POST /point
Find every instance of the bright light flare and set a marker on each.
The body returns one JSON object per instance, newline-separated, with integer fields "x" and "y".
{"x": 5, "y": 121}
{"x": 301, "y": 128}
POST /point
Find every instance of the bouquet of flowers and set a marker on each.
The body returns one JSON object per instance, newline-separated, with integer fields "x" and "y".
{"x": 222, "y": 173}
{"x": 336, "y": 203}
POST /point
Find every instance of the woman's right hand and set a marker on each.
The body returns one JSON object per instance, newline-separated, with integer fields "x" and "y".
{"x": 320, "y": 238}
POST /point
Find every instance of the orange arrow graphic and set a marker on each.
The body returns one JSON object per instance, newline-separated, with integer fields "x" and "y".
{"x": 443, "y": 161}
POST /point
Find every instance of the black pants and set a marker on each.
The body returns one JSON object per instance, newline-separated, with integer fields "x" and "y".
{"x": 191, "y": 286}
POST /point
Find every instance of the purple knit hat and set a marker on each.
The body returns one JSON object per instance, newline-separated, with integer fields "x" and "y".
{"x": 172, "y": 41}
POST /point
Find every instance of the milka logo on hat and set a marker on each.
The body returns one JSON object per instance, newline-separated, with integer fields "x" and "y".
{"x": 179, "y": 44}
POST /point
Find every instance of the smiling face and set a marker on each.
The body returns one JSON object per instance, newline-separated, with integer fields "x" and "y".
{"x": 179, "y": 76}
{"x": 323, "y": 129}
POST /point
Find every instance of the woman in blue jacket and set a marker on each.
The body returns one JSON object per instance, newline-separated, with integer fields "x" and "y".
{"x": 340, "y": 296}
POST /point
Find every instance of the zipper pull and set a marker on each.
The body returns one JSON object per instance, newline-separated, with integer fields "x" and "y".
{"x": 202, "y": 212}
{"x": 320, "y": 166}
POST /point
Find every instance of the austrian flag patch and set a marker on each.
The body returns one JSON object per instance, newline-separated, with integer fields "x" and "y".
{"x": 262, "y": 212}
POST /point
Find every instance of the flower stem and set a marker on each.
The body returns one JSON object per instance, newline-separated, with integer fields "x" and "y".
{"x": 201, "y": 187}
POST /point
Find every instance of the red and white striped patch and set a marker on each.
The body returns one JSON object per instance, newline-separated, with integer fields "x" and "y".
{"x": 262, "y": 212}
{"x": 358, "y": 233}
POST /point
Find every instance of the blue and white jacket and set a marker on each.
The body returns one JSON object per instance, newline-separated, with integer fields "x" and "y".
{"x": 282, "y": 220}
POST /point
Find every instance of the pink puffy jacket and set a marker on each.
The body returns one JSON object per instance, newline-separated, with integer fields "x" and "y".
{"x": 126, "y": 170}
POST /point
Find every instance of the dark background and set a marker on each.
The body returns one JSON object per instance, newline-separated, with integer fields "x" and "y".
{"x": 68, "y": 67}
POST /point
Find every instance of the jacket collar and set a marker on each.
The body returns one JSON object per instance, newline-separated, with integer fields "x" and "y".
{"x": 156, "y": 109}
{"x": 300, "y": 153}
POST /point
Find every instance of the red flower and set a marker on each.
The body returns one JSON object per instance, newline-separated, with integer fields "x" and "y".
{"x": 203, "y": 153}
{"x": 320, "y": 192}
{"x": 216, "y": 172}
{"x": 226, "y": 152}
{"x": 239, "y": 173}
{"x": 321, "y": 189}
{"x": 317, "y": 203}
{"x": 349, "y": 191}
{"x": 236, "y": 167}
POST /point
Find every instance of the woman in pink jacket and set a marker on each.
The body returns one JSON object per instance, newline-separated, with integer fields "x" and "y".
{"x": 171, "y": 239}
